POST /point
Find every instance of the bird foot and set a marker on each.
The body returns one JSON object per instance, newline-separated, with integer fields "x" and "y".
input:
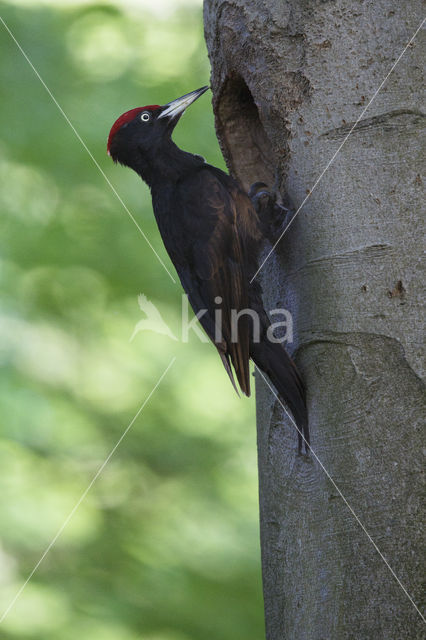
{"x": 274, "y": 216}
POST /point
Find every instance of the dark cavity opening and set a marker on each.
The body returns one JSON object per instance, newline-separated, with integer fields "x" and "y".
{"x": 245, "y": 145}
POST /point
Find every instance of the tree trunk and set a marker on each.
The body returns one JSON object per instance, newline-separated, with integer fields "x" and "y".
{"x": 289, "y": 80}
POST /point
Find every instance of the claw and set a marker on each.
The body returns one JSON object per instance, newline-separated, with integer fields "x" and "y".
{"x": 269, "y": 210}
{"x": 255, "y": 187}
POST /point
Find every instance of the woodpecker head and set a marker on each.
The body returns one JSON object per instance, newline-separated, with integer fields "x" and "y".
{"x": 143, "y": 131}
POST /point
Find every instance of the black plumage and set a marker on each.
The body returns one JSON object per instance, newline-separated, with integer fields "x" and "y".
{"x": 213, "y": 236}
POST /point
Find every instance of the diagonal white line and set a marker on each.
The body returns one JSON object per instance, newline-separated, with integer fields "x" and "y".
{"x": 84, "y": 494}
{"x": 330, "y": 162}
{"x": 86, "y": 148}
{"x": 344, "y": 500}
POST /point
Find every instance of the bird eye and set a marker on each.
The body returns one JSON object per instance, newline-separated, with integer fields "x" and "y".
{"x": 145, "y": 117}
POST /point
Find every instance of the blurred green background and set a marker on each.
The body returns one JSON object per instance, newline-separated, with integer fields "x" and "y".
{"x": 165, "y": 545}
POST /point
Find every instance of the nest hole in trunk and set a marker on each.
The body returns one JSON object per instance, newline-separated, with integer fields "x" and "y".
{"x": 245, "y": 144}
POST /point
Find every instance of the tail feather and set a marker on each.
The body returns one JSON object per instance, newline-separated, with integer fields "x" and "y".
{"x": 275, "y": 362}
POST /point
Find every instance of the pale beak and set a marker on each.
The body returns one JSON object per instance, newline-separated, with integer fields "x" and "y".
{"x": 177, "y": 107}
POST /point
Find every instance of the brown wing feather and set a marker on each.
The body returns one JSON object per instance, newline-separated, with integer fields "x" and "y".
{"x": 216, "y": 261}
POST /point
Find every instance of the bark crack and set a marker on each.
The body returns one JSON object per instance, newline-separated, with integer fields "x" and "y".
{"x": 353, "y": 338}
{"x": 407, "y": 118}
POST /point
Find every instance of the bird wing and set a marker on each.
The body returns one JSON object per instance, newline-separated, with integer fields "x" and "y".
{"x": 216, "y": 221}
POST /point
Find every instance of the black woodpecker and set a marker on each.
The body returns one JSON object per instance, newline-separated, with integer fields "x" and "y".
{"x": 213, "y": 235}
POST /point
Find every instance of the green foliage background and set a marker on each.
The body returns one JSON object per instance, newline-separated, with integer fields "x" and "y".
{"x": 165, "y": 545}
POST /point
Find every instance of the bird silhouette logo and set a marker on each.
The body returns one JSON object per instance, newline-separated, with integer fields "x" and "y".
{"x": 153, "y": 321}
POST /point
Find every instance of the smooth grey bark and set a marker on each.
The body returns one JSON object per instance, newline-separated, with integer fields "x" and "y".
{"x": 289, "y": 79}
